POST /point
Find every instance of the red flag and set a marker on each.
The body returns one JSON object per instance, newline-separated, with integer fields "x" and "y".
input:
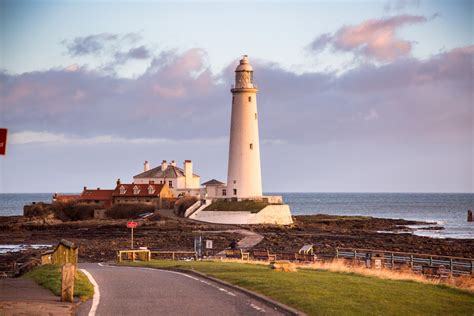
{"x": 3, "y": 141}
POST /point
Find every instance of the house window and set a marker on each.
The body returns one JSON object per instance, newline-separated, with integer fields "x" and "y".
{"x": 170, "y": 183}
{"x": 250, "y": 99}
{"x": 161, "y": 181}
{"x": 136, "y": 190}
{"x": 235, "y": 191}
{"x": 151, "y": 190}
{"x": 224, "y": 192}
{"x": 251, "y": 146}
{"x": 122, "y": 190}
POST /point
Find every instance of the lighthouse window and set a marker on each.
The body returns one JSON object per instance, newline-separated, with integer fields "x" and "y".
{"x": 251, "y": 146}
{"x": 235, "y": 191}
{"x": 255, "y": 115}
{"x": 250, "y": 99}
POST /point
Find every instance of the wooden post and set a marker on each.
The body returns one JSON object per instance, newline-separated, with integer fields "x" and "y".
{"x": 392, "y": 260}
{"x": 67, "y": 282}
{"x": 411, "y": 261}
{"x": 472, "y": 266}
{"x": 337, "y": 253}
{"x": 451, "y": 268}
{"x": 131, "y": 243}
{"x": 431, "y": 261}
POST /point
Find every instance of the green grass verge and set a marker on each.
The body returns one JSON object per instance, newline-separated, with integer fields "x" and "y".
{"x": 319, "y": 292}
{"x": 49, "y": 276}
{"x": 234, "y": 206}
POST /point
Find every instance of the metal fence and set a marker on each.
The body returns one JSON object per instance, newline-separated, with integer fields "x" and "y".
{"x": 415, "y": 261}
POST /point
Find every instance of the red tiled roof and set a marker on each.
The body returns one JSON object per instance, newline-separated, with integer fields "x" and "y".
{"x": 143, "y": 190}
{"x": 66, "y": 197}
{"x": 101, "y": 195}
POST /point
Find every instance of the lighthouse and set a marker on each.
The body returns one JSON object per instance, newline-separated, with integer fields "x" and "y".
{"x": 244, "y": 178}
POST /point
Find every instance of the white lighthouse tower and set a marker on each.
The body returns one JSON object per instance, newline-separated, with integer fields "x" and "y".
{"x": 244, "y": 178}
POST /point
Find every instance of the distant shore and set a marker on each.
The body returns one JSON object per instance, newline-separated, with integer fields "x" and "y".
{"x": 98, "y": 240}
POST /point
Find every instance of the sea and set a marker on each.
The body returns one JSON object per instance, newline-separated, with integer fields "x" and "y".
{"x": 448, "y": 210}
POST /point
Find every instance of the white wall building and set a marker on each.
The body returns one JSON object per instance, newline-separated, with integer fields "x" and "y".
{"x": 244, "y": 178}
{"x": 179, "y": 180}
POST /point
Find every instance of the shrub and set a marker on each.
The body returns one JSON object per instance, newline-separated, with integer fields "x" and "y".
{"x": 183, "y": 204}
{"x": 37, "y": 209}
{"x": 131, "y": 210}
{"x": 73, "y": 211}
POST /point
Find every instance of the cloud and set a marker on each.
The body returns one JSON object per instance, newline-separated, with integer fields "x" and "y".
{"x": 115, "y": 49}
{"x": 372, "y": 115}
{"x": 89, "y": 45}
{"x": 179, "y": 99}
{"x": 32, "y": 137}
{"x": 373, "y": 39}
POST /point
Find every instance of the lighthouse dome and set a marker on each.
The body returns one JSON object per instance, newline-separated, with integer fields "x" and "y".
{"x": 244, "y": 64}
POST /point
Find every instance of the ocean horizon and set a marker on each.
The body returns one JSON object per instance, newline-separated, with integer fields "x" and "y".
{"x": 444, "y": 209}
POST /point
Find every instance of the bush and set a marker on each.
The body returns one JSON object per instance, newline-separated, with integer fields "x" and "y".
{"x": 183, "y": 204}
{"x": 125, "y": 210}
{"x": 73, "y": 211}
{"x": 37, "y": 209}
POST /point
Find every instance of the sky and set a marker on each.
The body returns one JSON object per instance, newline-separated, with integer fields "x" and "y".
{"x": 355, "y": 96}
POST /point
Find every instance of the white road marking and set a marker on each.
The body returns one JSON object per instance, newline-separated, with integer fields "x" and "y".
{"x": 96, "y": 298}
{"x": 191, "y": 277}
{"x": 226, "y": 292}
{"x": 257, "y": 308}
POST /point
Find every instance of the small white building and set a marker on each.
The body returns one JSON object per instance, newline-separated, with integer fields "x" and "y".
{"x": 215, "y": 189}
{"x": 179, "y": 180}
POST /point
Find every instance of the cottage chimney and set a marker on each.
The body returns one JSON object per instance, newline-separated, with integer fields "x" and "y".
{"x": 188, "y": 173}
{"x": 173, "y": 163}
{"x": 164, "y": 165}
{"x": 146, "y": 166}
{"x": 98, "y": 189}
{"x": 118, "y": 181}
{"x": 85, "y": 188}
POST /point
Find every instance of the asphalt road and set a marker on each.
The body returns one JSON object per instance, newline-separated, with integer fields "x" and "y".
{"x": 146, "y": 291}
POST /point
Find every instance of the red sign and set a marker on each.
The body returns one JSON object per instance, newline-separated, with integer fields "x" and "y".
{"x": 132, "y": 224}
{"x": 3, "y": 141}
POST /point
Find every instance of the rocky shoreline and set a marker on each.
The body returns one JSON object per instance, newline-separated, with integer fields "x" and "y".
{"x": 99, "y": 239}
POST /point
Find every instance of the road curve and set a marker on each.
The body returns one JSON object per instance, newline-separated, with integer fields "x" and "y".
{"x": 146, "y": 291}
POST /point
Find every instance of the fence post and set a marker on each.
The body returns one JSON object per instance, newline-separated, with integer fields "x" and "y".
{"x": 355, "y": 256}
{"x": 337, "y": 253}
{"x": 67, "y": 282}
{"x": 472, "y": 266}
{"x": 411, "y": 261}
{"x": 392, "y": 261}
{"x": 431, "y": 261}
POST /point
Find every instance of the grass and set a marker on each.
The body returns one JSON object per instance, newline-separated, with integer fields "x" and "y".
{"x": 234, "y": 206}
{"x": 49, "y": 277}
{"x": 321, "y": 292}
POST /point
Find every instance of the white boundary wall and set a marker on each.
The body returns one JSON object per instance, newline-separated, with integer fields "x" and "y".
{"x": 271, "y": 214}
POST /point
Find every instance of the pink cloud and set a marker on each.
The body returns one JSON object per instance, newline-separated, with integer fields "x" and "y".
{"x": 372, "y": 39}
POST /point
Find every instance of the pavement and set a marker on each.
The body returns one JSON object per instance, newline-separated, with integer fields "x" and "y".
{"x": 142, "y": 291}
{"x": 20, "y": 296}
